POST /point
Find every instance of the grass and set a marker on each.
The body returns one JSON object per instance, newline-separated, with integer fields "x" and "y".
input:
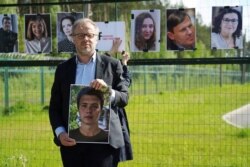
{"x": 26, "y": 140}
{"x": 185, "y": 128}
{"x": 168, "y": 129}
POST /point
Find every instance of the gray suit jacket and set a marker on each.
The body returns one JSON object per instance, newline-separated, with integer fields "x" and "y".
{"x": 108, "y": 69}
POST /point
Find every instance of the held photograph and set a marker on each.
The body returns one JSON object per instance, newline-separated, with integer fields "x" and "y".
{"x": 109, "y": 31}
{"x": 89, "y": 114}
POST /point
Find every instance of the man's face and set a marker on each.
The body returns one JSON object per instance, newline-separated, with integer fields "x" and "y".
{"x": 85, "y": 38}
{"x": 183, "y": 34}
{"x": 6, "y": 25}
{"x": 90, "y": 109}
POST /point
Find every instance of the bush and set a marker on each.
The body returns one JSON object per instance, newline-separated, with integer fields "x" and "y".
{"x": 20, "y": 107}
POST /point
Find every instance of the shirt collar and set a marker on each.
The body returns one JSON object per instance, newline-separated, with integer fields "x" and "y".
{"x": 92, "y": 60}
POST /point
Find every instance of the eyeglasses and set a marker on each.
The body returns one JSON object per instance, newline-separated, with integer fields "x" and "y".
{"x": 233, "y": 21}
{"x": 83, "y": 35}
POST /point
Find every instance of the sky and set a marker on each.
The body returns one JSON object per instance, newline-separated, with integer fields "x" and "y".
{"x": 204, "y": 7}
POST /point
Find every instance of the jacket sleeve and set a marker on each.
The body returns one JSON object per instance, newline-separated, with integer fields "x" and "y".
{"x": 120, "y": 85}
{"x": 127, "y": 75}
{"x": 55, "y": 108}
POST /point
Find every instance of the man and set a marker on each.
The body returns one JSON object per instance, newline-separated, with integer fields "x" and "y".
{"x": 180, "y": 31}
{"x": 8, "y": 37}
{"x": 90, "y": 69}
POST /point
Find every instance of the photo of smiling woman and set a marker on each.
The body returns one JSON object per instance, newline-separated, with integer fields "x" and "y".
{"x": 37, "y": 33}
{"x": 226, "y": 28}
{"x": 145, "y": 30}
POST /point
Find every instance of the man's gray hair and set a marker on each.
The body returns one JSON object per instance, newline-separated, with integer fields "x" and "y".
{"x": 84, "y": 21}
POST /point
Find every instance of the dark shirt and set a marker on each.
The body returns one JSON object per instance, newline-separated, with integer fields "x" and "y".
{"x": 7, "y": 41}
{"x": 102, "y": 136}
{"x": 66, "y": 46}
{"x": 172, "y": 46}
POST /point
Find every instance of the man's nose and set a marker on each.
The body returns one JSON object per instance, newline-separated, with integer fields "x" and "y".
{"x": 189, "y": 30}
{"x": 89, "y": 109}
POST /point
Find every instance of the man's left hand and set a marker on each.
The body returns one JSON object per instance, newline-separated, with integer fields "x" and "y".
{"x": 98, "y": 84}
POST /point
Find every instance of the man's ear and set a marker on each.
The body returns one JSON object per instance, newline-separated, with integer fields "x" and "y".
{"x": 170, "y": 35}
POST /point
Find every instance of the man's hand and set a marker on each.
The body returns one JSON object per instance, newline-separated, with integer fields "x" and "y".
{"x": 125, "y": 58}
{"x": 98, "y": 84}
{"x": 66, "y": 140}
{"x": 115, "y": 47}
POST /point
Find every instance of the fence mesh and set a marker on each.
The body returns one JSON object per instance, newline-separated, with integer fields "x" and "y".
{"x": 175, "y": 114}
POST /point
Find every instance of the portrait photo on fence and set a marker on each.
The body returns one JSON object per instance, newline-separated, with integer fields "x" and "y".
{"x": 181, "y": 33}
{"x": 65, "y": 21}
{"x": 38, "y": 33}
{"x": 8, "y": 33}
{"x": 109, "y": 31}
{"x": 89, "y": 114}
{"x": 145, "y": 30}
{"x": 226, "y": 30}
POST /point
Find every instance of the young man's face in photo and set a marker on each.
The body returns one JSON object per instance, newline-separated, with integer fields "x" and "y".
{"x": 90, "y": 109}
{"x": 6, "y": 25}
{"x": 183, "y": 34}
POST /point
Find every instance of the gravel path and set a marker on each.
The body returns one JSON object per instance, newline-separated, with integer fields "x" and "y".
{"x": 239, "y": 117}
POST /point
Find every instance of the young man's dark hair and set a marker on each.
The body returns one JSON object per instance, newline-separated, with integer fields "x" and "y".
{"x": 176, "y": 17}
{"x": 5, "y": 18}
{"x": 90, "y": 91}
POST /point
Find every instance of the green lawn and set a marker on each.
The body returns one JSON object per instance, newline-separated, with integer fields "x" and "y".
{"x": 169, "y": 129}
{"x": 26, "y": 140}
{"x": 185, "y": 128}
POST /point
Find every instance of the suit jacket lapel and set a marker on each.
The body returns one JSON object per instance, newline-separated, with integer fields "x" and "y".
{"x": 72, "y": 71}
{"x": 99, "y": 67}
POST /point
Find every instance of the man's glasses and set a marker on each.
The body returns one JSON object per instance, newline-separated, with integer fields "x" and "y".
{"x": 233, "y": 21}
{"x": 83, "y": 35}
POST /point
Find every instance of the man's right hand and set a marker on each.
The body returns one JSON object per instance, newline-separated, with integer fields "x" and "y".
{"x": 66, "y": 140}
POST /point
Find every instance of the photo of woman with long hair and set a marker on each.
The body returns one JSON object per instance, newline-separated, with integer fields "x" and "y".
{"x": 146, "y": 31}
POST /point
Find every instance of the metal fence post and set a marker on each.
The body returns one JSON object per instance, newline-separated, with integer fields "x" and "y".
{"x": 221, "y": 75}
{"x": 42, "y": 84}
{"x": 156, "y": 81}
{"x": 6, "y": 87}
{"x": 145, "y": 80}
